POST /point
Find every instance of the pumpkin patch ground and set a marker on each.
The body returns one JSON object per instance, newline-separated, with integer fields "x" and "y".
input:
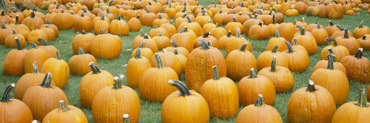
{"x": 172, "y": 44}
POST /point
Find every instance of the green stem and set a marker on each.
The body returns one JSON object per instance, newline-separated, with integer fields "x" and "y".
{"x": 63, "y": 107}
{"x": 330, "y": 39}
{"x": 158, "y": 59}
{"x": 43, "y": 41}
{"x": 173, "y": 43}
{"x": 277, "y": 34}
{"x": 228, "y": 34}
{"x": 81, "y": 51}
{"x": 102, "y": 31}
{"x": 184, "y": 91}
{"x": 188, "y": 18}
{"x": 6, "y": 95}
{"x": 295, "y": 41}
{"x": 259, "y": 102}
{"x": 234, "y": 19}
{"x": 346, "y": 33}
{"x": 175, "y": 52}
{"x": 33, "y": 44}
{"x": 273, "y": 19}
{"x": 275, "y": 49}
{"x": 243, "y": 47}
{"x": 362, "y": 101}
{"x": 33, "y": 14}
{"x": 19, "y": 45}
{"x": 252, "y": 74}
{"x": 142, "y": 44}
{"x": 311, "y": 86}
{"x": 94, "y": 68}
{"x": 206, "y": 34}
{"x": 58, "y": 55}
{"x": 117, "y": 83}
{"x": 364, "y": 37}
{"x": 215, "y": 73}
{"x": 361, "y": 24}
{"x": 126, "y": 117}
{"x": 138, "y": 53}
{"x": 46, "y": 80}
{"x": 359, "y": 53}
{"x": 47, "y": 21}
{"x": 3, "y": 25}
{"x": 17, "y": 19}
{"x": 203, "y": 44}
{"x": 330, "y": 63}
{"x": 290, "y": 49}
{"x": 330, "y": 50}
{"x": 273, "y": 64}
{"x": 260, "y": 23}
{"x": 318, "y": 25}
{"x": 340, "y": 28}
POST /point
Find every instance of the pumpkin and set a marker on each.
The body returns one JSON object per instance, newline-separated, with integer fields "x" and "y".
{"x": 238, "y": 58}
{"x": 9, "y": 40}
{"x": 219, "y": 93}
{"x": 320, "y": 34}
{"x": 20, "y": 28}
{"x": 264, "y": 59}
{"x": 14, "y": 60}
{"x": 43, "y": 98}
{"x": 221, "y": 43}
{"x": 148, "y": 18}
{"x": 146, "y": 52}
{"x": 277, "y": 40}
{"x": 33, "y": 22}
{"x": 180, "y": 50}
{"x": 119, "y": 27}
{"x": 315, "y": 25}
{"x": 28, "y": 80}
{"x": 159, "y": 21}
{"x": 135, "y": 68}
{"x": 206, "y": 57}
{"x": 259, "y": 112}
{"x": 121, "y": 99}
{"x": 106, "y": 46}
{"x": 361, "y": 30}
{"x": 78, "y": 64}
{"x": 34, "y": 35}
{"x": 82, "y": 40}
{"x": 218, "y": 32}
{"x": 365, "y": 43}
{"x": 287, "y": 30}
{"x": 171, "y": 29}
{"x": 194, "y": 26}
{"x": 155, "y": 31}
{"x": 331, "y": 28}
{"x": 13, "y": 110}
{"x": 341, "y": 32}
{"x": 209, "y": 26}
{"x": 324, "y": 63}
{"x": 281, "y": 76}
{"x": 59, "y": 68}
{"x": 161, "y": 41}
{"x": 292, "y": 12}
{"x": 49, "y": 32}
{"x": 168, "y": 59}
{"x": 4, "y": 17}
{"x": 357, "y": 67}
{"x": 65, "y": 113}
{"x": 307, "y": 41}
{"x": 176, "y": 109}
{"x": 153, "y": 83}
{"x": 149, "y": 43}
{"x": 259, "y": 32}
{"x": 185, "y": 38}
{"x": 63, "y": 20}
{"x": 182, "y": 59}
{"x": 355, "y": 112}
{"x": 83, "y": 23}
{"x": 51, "y": 50}
{"x": 4, "y": 32}
{"x": 207, "y": 38}
{"x": 348, "y": 41}
{"x": 273, "y": 26}
{"x": 51, "y": 26}
{"x": 232, "y": 26}
{"x": 338, "y": 50}
{"x": 101, "y": 24}
{"x": 250, "y": 86}
{"x": 311, "y": 104}
{"x": 134, "y": 24}
{"x": 35, "y": 55}
{"x": 249, "y": 23}
{"x": 297, "y": 58}
{"x": 335, "y": 81}
{"x": 236, "y": 42}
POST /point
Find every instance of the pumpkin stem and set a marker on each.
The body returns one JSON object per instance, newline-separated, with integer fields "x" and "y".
{"x": 330, "y": 50}
{"x": 17, "y": 19}
{"x": 45, "y": 81}
{"x": 330, "y": 63}
{"x": 146, "y": 36}
{"x": 250, "y": 15}
{"x": 81, "y": 51}
{"x": 138, "y": 53}
{"x": 94, "y": 68}
{"x": 126, "y": 117}
{"x": 237, "y": 32}
{"x": 330, "y": 39}
{"x": 63, "y": 107}
{"x": 317, "y": 20}
{"x": 43, "y": 41}
{"x": 117, "y": 83}
{"x": 364, "y": 37}
{"x": 184, "y": 90}
{"x": 138, "y": 16}
{"x": 215, "y": 73}
{"x": 290, "y": 48}
{"x": 252, "y": 74}
{"x": 311, "y": 86}
{"x": 3, "y": 25}
{"x": 277, "y": 34}
{"x": 259, "y": 102}
{"x": 359, "y": 53}
{"x": 33, "y": 44}
{"x": 340, "y": 28}
{"x": 228, "y": 33}
{"x": 203, "y": 44}
{"x": 142, "y": 44}
{"x": 243, "y": 47}
{"x": 141, "y": 32}
{"x": 275, "y": 49}
{"x": 206, "y": 34}
{"x": 158, "y": 60}
{"x": 273, "y": 64}
{"x": 19, "y": 45}
{"x": 361, "y": 24}
{"x": 295, "y": 41}
{"x": 2, "y": 13}
{"x": 188, "y": 18}
{"x": 58, "y": 55}
{"x": 33, "y": 14}
{"x": 47, "y": 21}
{"x": 318, "y": 25}
{"x": 255, "y": 16}
{"x": 209, "y": 44}
{"x": 234, "y": 19}
{"x": 362, "y": 101}
{"x": 273, "y": 19}
{"x": 173, "y": 43}
{"x": 6, "y": 95}
{"x": 102, "y": 31}
{"x": 346, "y": 33}
{"x": 260, "y": 23}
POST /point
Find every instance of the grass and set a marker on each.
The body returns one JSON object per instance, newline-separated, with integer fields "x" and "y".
{"x": 151, "y": 112}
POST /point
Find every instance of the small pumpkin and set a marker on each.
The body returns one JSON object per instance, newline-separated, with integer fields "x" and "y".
{"x": 161, "y": 41}
{"x": 238, "y": 58}
{"x": 78, "y": 64}
{"x": 83, "y": 23}
{"x": 10, "y": 39}
{"x": 146, "y": 52}
{"x": 207, "y": 38}
{"x": 180, "y": 50}
{"x": 34, "y": 35}
{"x": 236, "y": 42}
{"x": 119, "y": 27}
{"x": 365, "y": 42}
{"x": 136, "y": 66}
{"x": 320, "y": 34}
{"x": 65, "y": 113}
{"x": 82, "y": 40}
{"x": 287, "y": 30}
{"x": 297, "y": 58}
{"x": 59, "y": 68}
{"x": 348, "y": 41}
{"x": 232, "y": 26}
{"x": 4, "y": 32}
{"x": 277, "y": 40}
{"x": 361, "y": 30}
{"x": 149, "y": 43}
{"x": 14, "y": 60}
{"x": 307, "y": 41}
{"x": 221, "y": 43}
{"x": 357, "y": 67}
{"x": 259, "y": 32}
{"x": 331, "y": 28}
{"x": 33, "y": 22}
{"x": 185, "y": 38}
{"x": 134, "y": 24}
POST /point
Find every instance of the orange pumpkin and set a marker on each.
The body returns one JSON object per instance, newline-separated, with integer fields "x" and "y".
{"x": 35, "y": 55}
{"x": 82, "y": 40}
{"x": 264, "y": 59}
{"x": 135, "y": 68}
{"x": 306, "y": 40}
{"x": 14, "y": 60}
{"x": 119, "y": 27}
{"x": 106, "y": 46}
{"x": 238, "y": 58}
{"x": 65, "y": 113}
{"x": 277, "y": 40}
{"x": 357, "y": 67}
{"x": 236, "y": 42}
{"x": 59, "y": 68}
{"x": 297, "y": 58}
{"x": 361, "y": 30}
{"x": 10, "y": 39}
{"x": 338, "y": 50}
{"x": 348, "y": 41}
{"x": 78, "y": 64}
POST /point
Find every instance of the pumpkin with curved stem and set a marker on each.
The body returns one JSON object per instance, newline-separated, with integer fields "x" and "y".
{"x": 307, "y": 41}
{"x": 65, "y": 113}
{"x": 82, "y": 40}
{"x": 238, "y": 58}
{"x": 357, "y": 67}
{"x": 259, "y": 112}
{"x": 45, "y": 96}
{"x": 161, "y": 41}
{"x": 168, "y": 59}
{"x": 354, "y": 112}
{"x": 135, "y": 68}
{"x": 311, "y": 104}
{"x": 51, "y": 50}
{"x": 219, "y": 93}
{"x": 281, "y": 76}
{"x": 149, "y": 43}
{"x": 331, "y": 28}
{"x": 207, "y": 38}
{"x": 335, "y": 81}
{"x": 59, "y": 68}
{"x": 106, "y": 46}
{"x": 206, "y": 57}
{"x": 134, "y": 23}
{"x": 338, "y": 50}
{"x": 146, "y": 52}
{"x": 259, "y": 32}
{"x": 92, "y": 83}
{"x": 34, "y": 56}
{"x": 9, "y": 40}
{"x": 194, "y": 26}
{"x": 14, "y": 60}
{"x": 250, "y": 86}
{"x": 121, "y": 99}
{"x": 176, "y": 106}
{"x": 277, "y": 40}
{"x": 348, "y": 41}
{"x": 153, "y": 83}
{"x": 180, "y": 50}
{"x": 264, "y": 59}
{"x": 361, "y": 30}
{"x": 14, "y": 110}
{"x": 236, "y": 42}
{"x": 232, "y": 26}
{"x": 297, "y": 58}
{"x": 324, "y": 63}
{"x": 185, "y": 38}
{"x": 273, "y": 26}
{"x": 33, "y": 22}
{"x": 287, "y": 30}
{"x": 34, "y": 35}
{"x": 78, "y": 64}
{"x": 365, "y": 42}
{"x": 320, "y": 34}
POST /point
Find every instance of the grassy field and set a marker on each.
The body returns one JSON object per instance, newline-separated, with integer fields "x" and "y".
{"x": 151, "y": 112}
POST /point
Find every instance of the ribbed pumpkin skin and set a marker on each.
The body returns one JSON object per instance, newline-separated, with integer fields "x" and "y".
{"x": 14, "y": 62}
{"x": 26, "y": 81}
{"x": 324, "y": 63}
{"x": 263, "y": 114}
{"x": 145, "y": 52}
{"x": 249, "y": 88}
{"x": 47, "y": 98}
{"x": 15, "y": 112}
{"x": 298, "y": 60}
{"x": 59, "y": 69}
{"x": 73, "y": 115}
{"x": 239, "y": 63}
{"x": 339, "y": 52}
{"x": 169, "y": 59}
{"x": 222, "y": 97}
{"x": 357, "y": 68}
{"x": 37, "y": 56}
{"x": 188, "y": 109}
{"x": 283, "y": 79}
{"x": 91, "y": 84}
{"x": 265, "y": 58}
{"x": 135, "y": 69}
{"x": 110, "y": 104}
{"x": 235, "y": 43}
{"x": 351, "y": 113}
{"x": 50, "y": 50}
{"x": 106, "y": 46}
{"x": 79, "y": 64}
{"x": 314, "y": 107}
{"x": 83, "y": 41}
{"x": 199, "y": 66}
{"x": 287, "y": 30}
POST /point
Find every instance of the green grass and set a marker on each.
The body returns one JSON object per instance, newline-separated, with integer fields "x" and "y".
{"x": 151, "y": 112}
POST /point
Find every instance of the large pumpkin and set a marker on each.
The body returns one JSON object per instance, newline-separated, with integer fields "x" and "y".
{"x": 324, "y": 63}
{"x": 199, "y": 65}
{"x": 14, "y": 60}
{"x": 320, "y": 34}
{"x": 119, "y": 27}
{"x": 220, "y": 93}
{"x": 92, "y": 83}
{"x": 238, "y": 58}
{"x": 78, "y": 64}
{"x": 136, "y": 66}
{"x": 65, "y": 113}
{"x": 297, "y": 58}
{"x": 13, "y": 110}
{"x": 110, "y": 103}
{"x": 106, "y": 46}
{"x": 59, "y": 68}
{"x": 176, "y": 108}
{"x": 63, "y": 20}
{"x": 311, "y": 104}
{"x": 357, "y": 67}
{"x": 287, "y": 30}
